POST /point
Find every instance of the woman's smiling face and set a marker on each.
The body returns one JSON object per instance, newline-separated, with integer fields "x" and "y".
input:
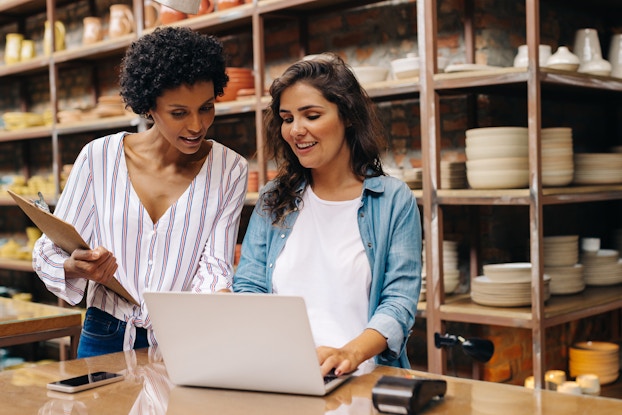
{"x": 312, "y": 127}
{"x": 184, "y": 114}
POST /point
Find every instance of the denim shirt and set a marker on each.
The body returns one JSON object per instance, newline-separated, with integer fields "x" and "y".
{"x": 390, "y": 227}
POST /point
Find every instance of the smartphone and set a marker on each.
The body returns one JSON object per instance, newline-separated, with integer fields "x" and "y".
{"x": 84, "y": 382}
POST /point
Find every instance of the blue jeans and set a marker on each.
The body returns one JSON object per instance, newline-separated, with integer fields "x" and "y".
{"x": 103, "y": 334}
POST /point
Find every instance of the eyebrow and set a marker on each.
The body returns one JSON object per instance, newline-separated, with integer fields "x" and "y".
{"x": 304, "y": 108}
{"x": 209, "y": 101}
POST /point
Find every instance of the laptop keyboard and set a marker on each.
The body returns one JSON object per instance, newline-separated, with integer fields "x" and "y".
{"x": 330, "y": 377}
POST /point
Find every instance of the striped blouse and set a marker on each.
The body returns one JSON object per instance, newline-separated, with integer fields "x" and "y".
{"x": 190, "y": 248}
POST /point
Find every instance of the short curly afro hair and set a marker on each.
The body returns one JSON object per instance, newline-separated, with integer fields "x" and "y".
{"x": 167, "y": 58}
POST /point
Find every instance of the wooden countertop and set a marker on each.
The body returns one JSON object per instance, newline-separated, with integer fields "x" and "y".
{"x": 147, "y": 390}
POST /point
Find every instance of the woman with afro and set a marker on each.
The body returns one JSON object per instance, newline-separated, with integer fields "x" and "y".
{"x": 160, "y": 208}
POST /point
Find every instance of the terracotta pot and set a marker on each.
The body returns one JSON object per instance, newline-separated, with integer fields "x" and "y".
{"x": 206, "y": 6}
{"x": 227, "y": 4}
{"x": 169, "y": 15}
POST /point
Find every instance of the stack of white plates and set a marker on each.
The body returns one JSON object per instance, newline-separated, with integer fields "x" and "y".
{"x": 497, "y": 157}
{"x": 599, "y": 358}
{"x": 561, "y": 257}
{"x": 561, "y": 250}
{"x": 602, "y": 267}
{"x": 557, "y": 156}
{"x": 451, "y": 273}
{"x": 566, "y": 280}
{"x": 598, "y": 168}
{"x": 506, "y": 285}
{"x": 453, "y": 175}
{"x": 413, "y": 177}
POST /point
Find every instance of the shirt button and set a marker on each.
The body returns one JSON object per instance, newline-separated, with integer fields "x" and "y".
{"x": 150, "y": 262}
{"x": 270, "y": 266}
{"x": 369, "y": 244}
{"x": 282, "y": 235}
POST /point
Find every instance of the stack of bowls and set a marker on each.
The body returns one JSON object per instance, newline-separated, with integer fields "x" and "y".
{"x": 599, "y": 358}
{"x": 561, "y": 263}
{"x": 602, "y": 267}
{"x": 557, "y": 156}
{"x": 598, "y": 168}
{"x": 239, "y": 78}
{"x": 451, "y": 274}
{"x": 506, "y": 285}
{"x": 453, "y": 175}
{"x": 405, "y": 68}
{"x": 20, "y": 120}
{"x": 497, "y": 157}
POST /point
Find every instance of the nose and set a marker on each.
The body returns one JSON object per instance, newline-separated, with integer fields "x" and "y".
{"x": 297, "y": 130}
{"x": 195, "y": 123}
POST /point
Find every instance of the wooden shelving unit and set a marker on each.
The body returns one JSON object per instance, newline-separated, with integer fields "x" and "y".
{"x": 531, "y": 83}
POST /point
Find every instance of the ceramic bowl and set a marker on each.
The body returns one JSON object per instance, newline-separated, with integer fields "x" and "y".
{"x": 495, "y": 151}
{"x": 405, "y": 67}
{"x": 504, "y": 163}
{"x": 492, "y": 179}
{"x": 369, "y": 74}
{"x": 508, "y": 272}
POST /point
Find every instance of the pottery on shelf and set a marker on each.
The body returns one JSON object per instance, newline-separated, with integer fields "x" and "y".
{"x": 121, "y": 20}
{"x": 563, "y": 59}
{"x": 596, "y": 66}
{"x": 521, "y": 60}
{"x": 615, "y": 55}
{"x": 169, "y": 15}
{"x": 12, "y": 51}
{"x": 587, "y": 45}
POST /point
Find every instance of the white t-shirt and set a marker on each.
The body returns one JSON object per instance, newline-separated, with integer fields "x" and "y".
{"x": 324, "y": 261}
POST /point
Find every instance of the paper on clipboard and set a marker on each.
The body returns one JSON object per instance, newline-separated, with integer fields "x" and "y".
{"x": 62, "y": 234}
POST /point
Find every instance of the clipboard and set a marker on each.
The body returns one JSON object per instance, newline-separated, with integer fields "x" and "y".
{"x": 62, "y": 234}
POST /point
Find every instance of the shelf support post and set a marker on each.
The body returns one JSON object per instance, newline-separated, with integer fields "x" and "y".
{"x": 535, "y": 191}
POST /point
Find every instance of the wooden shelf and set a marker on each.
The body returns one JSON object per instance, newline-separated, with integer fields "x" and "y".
{"x": 16, "y": 265}
{"x": 444, "y": 82}
{"x": 558, "y": 309}
{"x": 551, "y": 195}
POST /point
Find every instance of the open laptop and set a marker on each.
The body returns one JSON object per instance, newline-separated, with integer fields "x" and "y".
{"x": 257, "y": 342}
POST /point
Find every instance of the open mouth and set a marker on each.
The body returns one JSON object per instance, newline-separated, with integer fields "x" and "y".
{"x": 304, "y": 146}
{"x": 192, "y": 139}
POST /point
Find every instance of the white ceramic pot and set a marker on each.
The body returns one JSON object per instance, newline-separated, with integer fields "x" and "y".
{"x": 615, "y": 55}
{"x": 521, "y": 60}
{"x": 564, "y": 59}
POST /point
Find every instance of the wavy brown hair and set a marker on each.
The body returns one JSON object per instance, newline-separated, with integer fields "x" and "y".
{"x": 330, "y": 75}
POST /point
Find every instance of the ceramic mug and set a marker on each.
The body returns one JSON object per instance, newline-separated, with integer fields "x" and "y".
{"x": 59, "y": 37}
{"x": 13, "y": 48}
{"x": 27, "y": 50}
{"x": 121, "y": 20}
{"x": 93, "y": 30}
{"x": 152, "y": 14}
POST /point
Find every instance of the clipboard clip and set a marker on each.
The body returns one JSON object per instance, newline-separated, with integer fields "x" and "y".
{"x": 41, "y": 203}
